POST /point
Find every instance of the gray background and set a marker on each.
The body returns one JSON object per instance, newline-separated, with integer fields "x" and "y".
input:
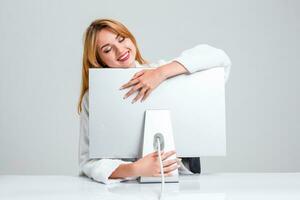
{"x": 40, "y": 60}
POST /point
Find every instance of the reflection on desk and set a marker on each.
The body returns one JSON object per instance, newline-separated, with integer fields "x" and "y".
{"x": 231, "y": 186}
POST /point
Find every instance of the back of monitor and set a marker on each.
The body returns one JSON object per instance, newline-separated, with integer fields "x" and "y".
{"x": 196, "y": 103}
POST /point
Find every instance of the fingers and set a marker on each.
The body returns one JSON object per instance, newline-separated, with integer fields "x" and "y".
{"x": 133, "y": 80}
{"x": 132, "y": 90}
{"x": 154, "y": 153}
{"x": 169, "y": 162}
{"x": 171, "y": 168}
{"x": 146, "y": 94}
{"x": 141, "y": 94}
{"x": 145, "y": 90}
{"x": 169, "y": 165}
{"x": 168, "y": 170}
{"x": 164, "y": 155}
{"x": 167, "y": 154}
{"x": 129, "y": 84}
{"x": 159, "y": 175}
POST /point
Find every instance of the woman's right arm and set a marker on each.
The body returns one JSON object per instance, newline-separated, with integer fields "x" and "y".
{"x": 97, "y": 169}
{"x": 115, "y": 170}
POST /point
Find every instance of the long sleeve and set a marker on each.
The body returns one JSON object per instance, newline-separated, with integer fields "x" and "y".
{"x": 203, "y": 57}
{"x": 96, "y": 169}
{"x": 198, "y": 58}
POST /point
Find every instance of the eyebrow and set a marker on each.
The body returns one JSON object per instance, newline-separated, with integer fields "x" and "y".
{"x": 108, "y": 44}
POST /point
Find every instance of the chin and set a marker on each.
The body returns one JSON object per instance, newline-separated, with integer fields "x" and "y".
{"x": 128, "y": 64}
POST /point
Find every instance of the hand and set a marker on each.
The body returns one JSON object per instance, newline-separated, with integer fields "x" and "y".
{"x": 149, "y": 164}
{"x": 145, "y": 82}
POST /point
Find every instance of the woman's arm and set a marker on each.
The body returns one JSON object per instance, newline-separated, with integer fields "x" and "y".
{"x": 115, "y": 170}
{"x": 172, "y": 69}
{"x": 124, "y": 170}
{"x": 148, "y": 166}
{"x": 97, "y": 169}
{"x": 201, "y": 57}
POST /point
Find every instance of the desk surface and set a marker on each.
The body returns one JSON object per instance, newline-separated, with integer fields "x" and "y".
{"x": 229, "y": 186}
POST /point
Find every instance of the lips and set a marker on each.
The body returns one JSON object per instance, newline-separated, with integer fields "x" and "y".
{"x": 124, "y": 56}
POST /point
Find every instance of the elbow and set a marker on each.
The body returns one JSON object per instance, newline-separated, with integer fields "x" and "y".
{"x": 218, "y": 54}
{"x": 226, "y": 64}
{"x": 224, "y": 58}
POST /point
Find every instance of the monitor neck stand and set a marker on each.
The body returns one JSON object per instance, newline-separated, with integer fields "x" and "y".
{"x": 158, "y": 136}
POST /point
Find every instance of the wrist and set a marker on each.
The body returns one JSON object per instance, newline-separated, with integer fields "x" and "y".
{"x": 123, "y": 171}
{"x": 171, "y": 69}
{"x": 163, "y": 72}
{"x": 134, "y": 168}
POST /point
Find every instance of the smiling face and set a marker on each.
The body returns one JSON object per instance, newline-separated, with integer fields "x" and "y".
{"x": 115, "y": 50}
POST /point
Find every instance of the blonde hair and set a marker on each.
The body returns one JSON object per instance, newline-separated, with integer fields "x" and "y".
{"x": 91, "y": 58}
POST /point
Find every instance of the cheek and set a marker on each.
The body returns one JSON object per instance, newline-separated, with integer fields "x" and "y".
{"x": 133, "y": 49}
{"x": 107, "y": 58}
{"x": 129, "y": 44}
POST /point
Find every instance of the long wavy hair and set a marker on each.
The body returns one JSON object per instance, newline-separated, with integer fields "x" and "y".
{"x": 91, "y": 58}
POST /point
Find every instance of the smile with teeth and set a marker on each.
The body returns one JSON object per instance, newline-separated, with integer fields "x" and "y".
{"x": 124, "y": 57}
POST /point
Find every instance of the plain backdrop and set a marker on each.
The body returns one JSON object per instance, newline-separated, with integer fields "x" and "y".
{"x": 40, "y": 63}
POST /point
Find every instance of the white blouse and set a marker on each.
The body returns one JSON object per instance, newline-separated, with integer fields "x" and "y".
{"x": 199, "y": 58}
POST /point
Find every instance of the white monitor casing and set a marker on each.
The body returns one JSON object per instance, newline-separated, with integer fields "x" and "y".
{"x": 196, "y": 103}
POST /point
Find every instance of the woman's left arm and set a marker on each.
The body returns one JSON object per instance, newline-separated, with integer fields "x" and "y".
{"x": 199, "y": 58}
{"x": 203, "y": 57}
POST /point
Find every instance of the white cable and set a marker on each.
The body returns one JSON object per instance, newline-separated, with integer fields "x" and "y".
{"x": 161, "y": 171}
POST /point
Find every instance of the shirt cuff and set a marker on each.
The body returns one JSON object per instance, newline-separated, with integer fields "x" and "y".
{"x": 108, "y": 166}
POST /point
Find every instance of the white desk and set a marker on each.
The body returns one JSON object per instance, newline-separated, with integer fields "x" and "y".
{"x": 233, "y": 186}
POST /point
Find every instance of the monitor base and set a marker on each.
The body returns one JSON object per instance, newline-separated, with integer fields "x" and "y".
{"x": 158, "y": 126}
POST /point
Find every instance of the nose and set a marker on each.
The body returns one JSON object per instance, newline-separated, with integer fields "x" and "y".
{"x": 119, "y": 50}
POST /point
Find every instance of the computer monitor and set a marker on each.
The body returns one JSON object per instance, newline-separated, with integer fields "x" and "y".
{"x": 196, "y": 103}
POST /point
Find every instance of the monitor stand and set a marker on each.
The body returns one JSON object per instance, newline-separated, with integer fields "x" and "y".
{"x": 158, "y": 127}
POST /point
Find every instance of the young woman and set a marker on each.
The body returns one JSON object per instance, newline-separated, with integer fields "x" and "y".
{"x": 109, "y": 44}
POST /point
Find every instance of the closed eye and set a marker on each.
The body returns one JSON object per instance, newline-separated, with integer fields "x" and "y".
{"x": 106, "y": 50}
{"x": 121, "y": 39}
